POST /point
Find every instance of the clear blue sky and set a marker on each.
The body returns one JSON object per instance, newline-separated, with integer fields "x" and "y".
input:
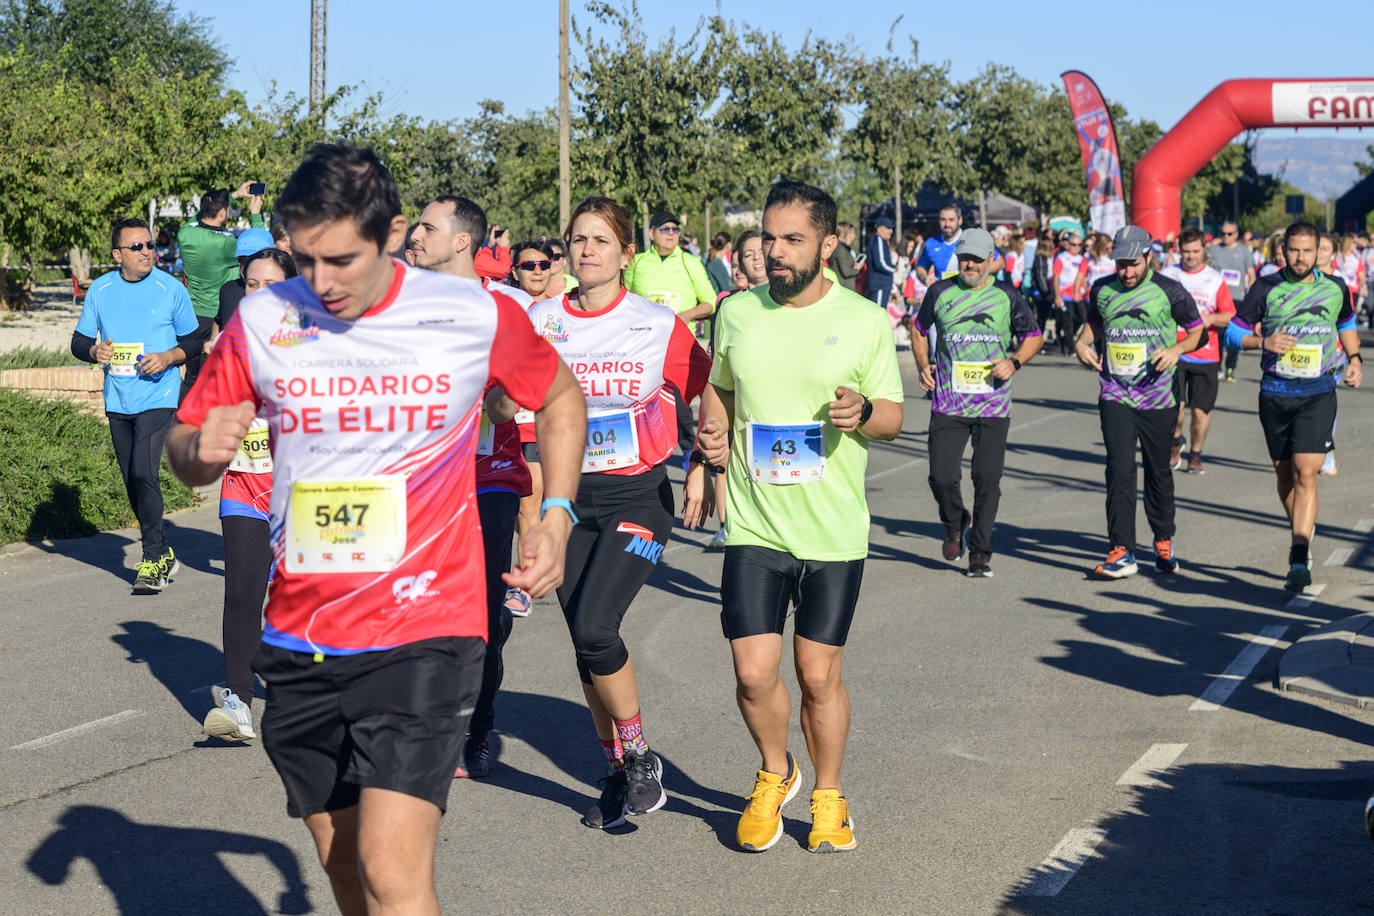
{"x": 437, "y": 58}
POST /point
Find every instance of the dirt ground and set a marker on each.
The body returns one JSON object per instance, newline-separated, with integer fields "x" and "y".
{"x": 49, "y": 323}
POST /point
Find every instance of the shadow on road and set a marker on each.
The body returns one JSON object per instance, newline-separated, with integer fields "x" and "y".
{"x": 153, "y": 868}
{"x": 105, "y": 550}
{"x": 562, "y": 731}
{"x": 1187, "y": 645}
{"x": 181, "y": 663}
{"x": 1219, "y": 838}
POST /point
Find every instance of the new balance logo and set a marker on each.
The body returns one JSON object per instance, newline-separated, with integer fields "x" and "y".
{"x": 641, "y": 541}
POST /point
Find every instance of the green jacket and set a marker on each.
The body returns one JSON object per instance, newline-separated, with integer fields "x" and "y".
{"x": 678, "y": 281}
{"x": 208, "y": 256}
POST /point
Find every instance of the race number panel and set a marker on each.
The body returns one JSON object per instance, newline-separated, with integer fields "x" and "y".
{"x": 346, "y": 526}
{"x": 786, "y": 454}
{"x": 612, "y": 441}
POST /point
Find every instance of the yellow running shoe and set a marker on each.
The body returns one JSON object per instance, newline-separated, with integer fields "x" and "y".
{"x": 760, "y": 825}
{"x": 832, "y": 829}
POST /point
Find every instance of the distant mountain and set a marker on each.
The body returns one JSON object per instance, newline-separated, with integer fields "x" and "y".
{"x": 1322, "y": 166}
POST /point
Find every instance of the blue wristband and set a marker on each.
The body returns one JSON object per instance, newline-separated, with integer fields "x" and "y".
{"x": 558, "y": 502}
{"x": 1235, "y": 336}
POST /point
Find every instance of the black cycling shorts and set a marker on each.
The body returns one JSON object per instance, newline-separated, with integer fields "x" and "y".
{"x": 623, "y": 526}
{"x": 757, "y": 584}
{"x": 1196, "y": 384}
{"x": 393, "y": 719}
{"x": 1297, "y": 425}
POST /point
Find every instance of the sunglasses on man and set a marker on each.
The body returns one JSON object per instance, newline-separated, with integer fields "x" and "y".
{"x": 138, "y": 246}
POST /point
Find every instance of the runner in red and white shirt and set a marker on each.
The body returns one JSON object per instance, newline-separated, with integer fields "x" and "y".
{"x": 534, "y": 270}
{"x": 245, "y": 501}
{"x": 1070, "y": 312}
{"x": 371, "y": 376}
{"x": 1096, "y": 264}
{"x": 443, "y": 241}
{"x": 1197, "y": 376}
{"x": 633, "y": 359}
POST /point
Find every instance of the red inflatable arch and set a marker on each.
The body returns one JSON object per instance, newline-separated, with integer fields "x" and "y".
{"x": 1232, "y": 107}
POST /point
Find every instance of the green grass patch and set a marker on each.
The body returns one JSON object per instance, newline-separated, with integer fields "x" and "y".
{"x": 36, "y": 358}
{"x": 60, "y": 478}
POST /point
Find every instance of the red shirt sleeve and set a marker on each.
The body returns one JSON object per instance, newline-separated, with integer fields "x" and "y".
{"x": 1224, "y": 301}
{"x": 685, "y": 364}
{"x": 521, "y": 362}
{"x": 225, "y": 378}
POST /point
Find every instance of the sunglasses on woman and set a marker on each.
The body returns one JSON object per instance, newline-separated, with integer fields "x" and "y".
{"x": 534, "y": 265}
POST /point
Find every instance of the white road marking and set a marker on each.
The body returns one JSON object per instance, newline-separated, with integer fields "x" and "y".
{"x": 1052, "y": 875}
{"x": 76, "y": 730}
{"x": 1156, "y": 760}
{"x": 1340, "y": 556}
{"x": 1307, "y": 596}
{"x": 1225, "y": 684}
{"x": 1364, "y": 526}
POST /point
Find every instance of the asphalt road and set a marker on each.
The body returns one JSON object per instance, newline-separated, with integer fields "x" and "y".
{"x": 1035, "y": 742}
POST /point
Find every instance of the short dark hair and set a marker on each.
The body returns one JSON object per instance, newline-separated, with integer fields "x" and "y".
{"x": 467, "y": 217}
{"x": 123, "y": 224}
{"x": 338, "y": 181}
{"x": 279, "y": 231}
{"x": 1298, "y": 229}
{"x": 820, "y": 204}
{"x": 1190, "y": 235}
{"x": 276, "y": 256}
{"x": 540, "y": 244}
{"x": 213, "y": 202}
{"x": 952, "y": 208}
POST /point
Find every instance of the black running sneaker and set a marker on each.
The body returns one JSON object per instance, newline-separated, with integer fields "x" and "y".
{"x": 609, "y": 811}
{"x": 477, "y": 757}
{"x": 645, "y": 792}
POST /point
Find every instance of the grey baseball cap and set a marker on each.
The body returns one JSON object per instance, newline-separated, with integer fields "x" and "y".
{"x": 975, "y": 243}
{"x": 1130, "y": 243}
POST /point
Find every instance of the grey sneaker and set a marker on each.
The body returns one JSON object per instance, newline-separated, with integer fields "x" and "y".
{"x": 233, "y": 721}
{"x": 645, "y": 792}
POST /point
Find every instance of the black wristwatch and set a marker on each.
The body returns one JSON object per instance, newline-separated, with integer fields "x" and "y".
{"x": 1355, "y": 355}
{"x": 866, "y": 412}
{"x": 1015, "y": 362}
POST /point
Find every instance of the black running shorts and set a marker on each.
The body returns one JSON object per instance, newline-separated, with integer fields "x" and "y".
{"x": 757, "y": 585}
{"x": 1297, "y": 425}
{"x": 1196, "y": 384}
{"x": 393, "y": 719}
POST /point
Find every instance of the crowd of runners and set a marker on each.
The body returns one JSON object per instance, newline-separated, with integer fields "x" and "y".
{"x": 419, "y": 430}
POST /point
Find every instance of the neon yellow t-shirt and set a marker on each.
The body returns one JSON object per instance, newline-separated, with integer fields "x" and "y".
{"x": 783, "y": 365}
{"x": 678, "y": 281}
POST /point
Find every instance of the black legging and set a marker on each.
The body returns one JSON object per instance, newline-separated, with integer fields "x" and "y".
{"x": 497, "y": 511}
{"x": 247, "y": 565}
{"x": 138, "y": 439}
{"x": 609, "y": 560}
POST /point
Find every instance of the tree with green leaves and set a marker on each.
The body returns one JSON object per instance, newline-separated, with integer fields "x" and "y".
{"x": 646, "y": 131}
{"x": 781, "y": 111}
{"x": 89, "y": 37}
{"x": 904, "y": 130}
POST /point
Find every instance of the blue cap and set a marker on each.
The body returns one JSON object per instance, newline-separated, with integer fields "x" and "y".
{"x": 883, "y": 222}
{"x": 251, "y": 241}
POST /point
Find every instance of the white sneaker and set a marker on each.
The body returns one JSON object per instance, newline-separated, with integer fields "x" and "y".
{"x": 1329, "y": 465}
{"x": 717, "y": 542}
{"x": 232, "y": 721}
